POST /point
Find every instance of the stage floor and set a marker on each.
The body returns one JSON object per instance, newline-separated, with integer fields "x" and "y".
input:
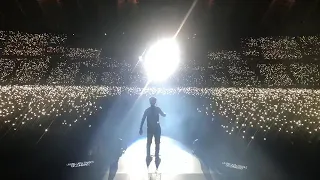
{"x": 177, "y": 162}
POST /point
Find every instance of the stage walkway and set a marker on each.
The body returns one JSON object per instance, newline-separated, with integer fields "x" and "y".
{"x": 177, "y": 163}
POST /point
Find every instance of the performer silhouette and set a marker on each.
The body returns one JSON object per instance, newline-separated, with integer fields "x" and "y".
{"x": 153, "y": 126}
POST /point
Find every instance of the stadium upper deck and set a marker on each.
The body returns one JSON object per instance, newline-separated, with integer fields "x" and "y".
{"x": 258, "y": 62}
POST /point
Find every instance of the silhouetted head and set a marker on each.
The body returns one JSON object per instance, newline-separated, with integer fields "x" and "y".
{"x": 153, "y": 101}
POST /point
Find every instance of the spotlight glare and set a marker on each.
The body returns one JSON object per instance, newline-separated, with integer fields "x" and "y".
{"x": 162, "y": 59}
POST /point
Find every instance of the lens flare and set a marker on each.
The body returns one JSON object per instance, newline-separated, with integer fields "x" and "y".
{"x": 162, "y": 59}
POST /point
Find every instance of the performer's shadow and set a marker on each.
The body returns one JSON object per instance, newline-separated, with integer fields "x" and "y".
{"x": 113, "y": 169}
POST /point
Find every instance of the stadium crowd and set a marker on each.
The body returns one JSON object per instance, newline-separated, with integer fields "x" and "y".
{"x": 269, "y": 86}
{"x": 41, "y": 77}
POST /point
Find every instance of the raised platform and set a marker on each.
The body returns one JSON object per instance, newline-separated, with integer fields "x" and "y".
{"x": 177, "y": 162}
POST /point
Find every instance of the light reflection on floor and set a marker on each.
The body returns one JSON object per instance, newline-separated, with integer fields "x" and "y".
{"x": 176, "y": 162}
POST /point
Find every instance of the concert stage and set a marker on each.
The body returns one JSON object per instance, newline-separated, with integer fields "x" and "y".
{"x": 177, "y": 162}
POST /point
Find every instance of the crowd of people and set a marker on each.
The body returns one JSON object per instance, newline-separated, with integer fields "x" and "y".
{"x": 275, "y": 48}
{"x": 292, "y": 111}
{"x": 261, "y": 62}
{"x": 39, "y": 75}
{"x": 22, "y": 106}
{"x": 59, "y": 71}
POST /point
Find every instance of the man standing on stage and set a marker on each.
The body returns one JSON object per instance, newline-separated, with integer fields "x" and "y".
{"x": 154, "y": 130}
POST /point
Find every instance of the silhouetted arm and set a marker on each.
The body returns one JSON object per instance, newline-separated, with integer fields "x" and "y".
{"x": 143, "y": 118}
{"x": 162, "y": 113}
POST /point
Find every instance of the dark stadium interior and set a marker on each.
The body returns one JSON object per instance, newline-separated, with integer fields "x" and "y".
{"x": 244, "y": 102}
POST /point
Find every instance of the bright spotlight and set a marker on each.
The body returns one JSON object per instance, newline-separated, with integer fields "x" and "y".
{"x": 162, "y": 59}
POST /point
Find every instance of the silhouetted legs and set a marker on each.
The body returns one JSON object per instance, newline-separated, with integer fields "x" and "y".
{"x": 157, "y": 137}
{"x": 149, "y": 142}
{"x": 156, "y": 133}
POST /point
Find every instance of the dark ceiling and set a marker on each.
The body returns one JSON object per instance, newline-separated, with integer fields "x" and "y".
{"x": 221, "y": 20}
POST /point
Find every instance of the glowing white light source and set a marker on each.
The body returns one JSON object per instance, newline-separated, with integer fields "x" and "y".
{"x": 162, "y": 59}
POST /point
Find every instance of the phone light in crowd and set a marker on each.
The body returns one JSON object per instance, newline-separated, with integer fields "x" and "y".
{"x": 161, "y": 60}
{"x": 235, "y": 166}
{"x": 80, "y": 164}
